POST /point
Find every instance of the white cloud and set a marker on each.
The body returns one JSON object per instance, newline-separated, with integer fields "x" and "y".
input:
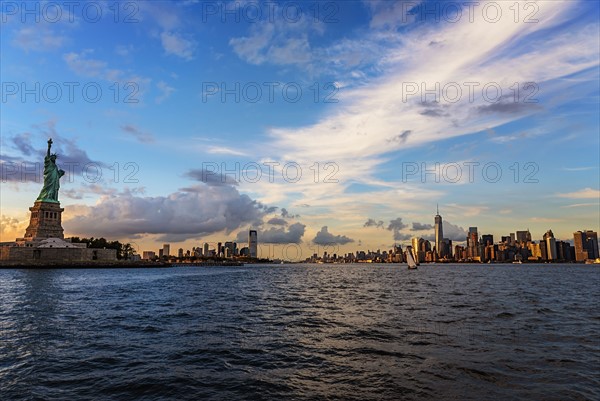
{"x": 82, "y": 65}
{"x": 580, "y": 168}
{"x": 165, "y": 90}
{"x": 581, "y": 205}
{"x": 222, "y": 150}
{"x": 586, "y": 193}
{"x": 123, "y": 50}
{"x": 132, "y": 86}
{"x": 277, "y": 235}
{"x": 280, "y": 41}
{"x": 370, "y": 121}
{"x": 324, "y": 237}
{"x": 545, "y": 220}
{"x": 138, "y": 134}
{"x": 186, "y": 214}
{"x": 173, "y": 43}
{"x": 38, "y": 38}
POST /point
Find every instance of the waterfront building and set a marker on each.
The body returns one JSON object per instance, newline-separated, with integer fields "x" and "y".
{"x": 439, "y": 234}
{"x": 230, "y": 249}
{"x": 487, "y": 239}
{"x": 563, "y": 251}
{"x": 523, "y": 237}
{"x": 473, "y": 243}
{"x": 447, "y": 248}
{"x": 586, "y": 245}
{"x": 535, "y": 250}
{"x": 460, "y": 252}
{"x": 543, "y": 250}
{"x": 550, "y": 245}
{"x": 592, "y": 244}
{"x": 148, "y": 255}
{"x": 253, "y": 243}
{"x": 415, "y": 248}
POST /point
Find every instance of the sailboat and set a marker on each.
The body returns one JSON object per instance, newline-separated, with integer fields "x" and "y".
{"x": 410, "y": 260}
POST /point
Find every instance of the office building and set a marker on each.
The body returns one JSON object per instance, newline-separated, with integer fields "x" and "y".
{"x": 523, "y": 237}
{"x": 439, "y": 234}
{"x": 230, "y": 249}
{"x": 551, "y": 253}
{"x": 253, "y": 243}
{"x": 148, "y": 255}
{"x": 473, "y": 243}
{"x": 586, "y": 245}
{"x": 487, "y": 239}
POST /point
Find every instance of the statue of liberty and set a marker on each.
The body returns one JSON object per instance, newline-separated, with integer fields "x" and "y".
{"x": 52, "y": 175}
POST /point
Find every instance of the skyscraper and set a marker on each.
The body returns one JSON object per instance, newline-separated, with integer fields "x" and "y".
{"x": 253, "y": 243}
{"x": 439, "y": 234}
{"x": 550, "y": 245}
{"x": 229, "y": 249}
{"x": 166, "y": 250}
{"x": 586, "y": 245}
{"x": 592, "y": 244}
{"x": 473, "y": 243}
{"x": 523, "y": 237}
{"x": 487, "y": 239}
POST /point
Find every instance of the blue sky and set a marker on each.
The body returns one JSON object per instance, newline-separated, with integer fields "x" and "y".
{"x": 508, "y": 88}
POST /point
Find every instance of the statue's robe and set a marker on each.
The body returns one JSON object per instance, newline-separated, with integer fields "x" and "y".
{"x": 52, "y": 176}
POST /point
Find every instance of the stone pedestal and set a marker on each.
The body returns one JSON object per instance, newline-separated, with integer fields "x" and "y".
{"x": 45, "y": 222}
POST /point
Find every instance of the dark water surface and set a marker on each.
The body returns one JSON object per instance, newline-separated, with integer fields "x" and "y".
{"x": 302, "y": 332}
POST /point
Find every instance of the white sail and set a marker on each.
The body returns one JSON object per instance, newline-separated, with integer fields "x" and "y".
{"x": 410, "y": 259}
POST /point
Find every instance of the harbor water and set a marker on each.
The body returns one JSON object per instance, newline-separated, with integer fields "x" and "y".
{"x": 302, "y": 332}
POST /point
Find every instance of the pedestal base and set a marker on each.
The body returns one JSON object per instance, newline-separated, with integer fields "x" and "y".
{"x": 45, "y": 222}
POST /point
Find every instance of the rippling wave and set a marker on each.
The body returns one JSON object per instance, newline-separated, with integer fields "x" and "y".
{"x": 301, "y": 332}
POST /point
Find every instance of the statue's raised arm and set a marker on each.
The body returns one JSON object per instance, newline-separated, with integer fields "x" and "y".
{"x": 49, "y": 146}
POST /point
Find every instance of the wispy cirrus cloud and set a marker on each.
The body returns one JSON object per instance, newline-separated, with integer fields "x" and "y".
{"x": 165, "y": 91}
{"x": 138, "y": 134}
{"x": 577, "y": 205}
{"x": 585, "y": 193}
{"x": 83, "y": 64}
{"x": 223, "y": 150}
{"x": 585, "y": 168}
{"x": 375, "y": 120}
{"x": 40, "y": 38}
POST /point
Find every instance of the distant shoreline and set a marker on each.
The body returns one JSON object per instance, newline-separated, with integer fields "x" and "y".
{"x": 165, "y": 265}
{"x": 83, "y": 265}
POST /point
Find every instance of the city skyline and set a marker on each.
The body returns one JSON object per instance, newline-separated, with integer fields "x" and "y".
{"x": 361, "y": 159}
{"x": 474, "y": 248}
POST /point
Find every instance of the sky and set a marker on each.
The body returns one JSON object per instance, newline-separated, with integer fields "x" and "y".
{"x": 325, "y": 126}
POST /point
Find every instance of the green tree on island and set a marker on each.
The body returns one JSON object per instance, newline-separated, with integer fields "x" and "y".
{"x": 124, "y": 251}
